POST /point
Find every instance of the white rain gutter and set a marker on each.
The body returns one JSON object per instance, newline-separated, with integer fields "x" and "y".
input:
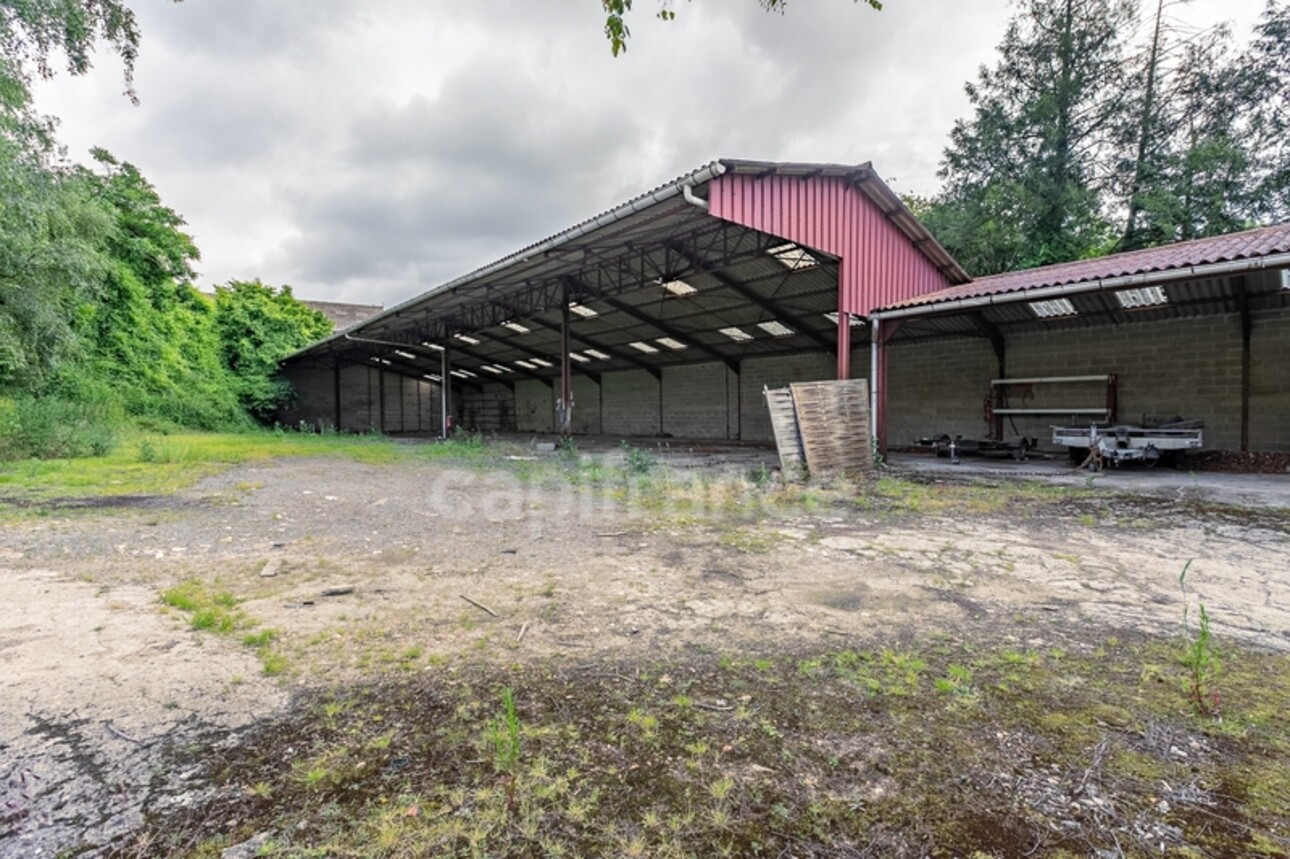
{"x": 687, "y": 191}
{"x": 682, "y": 186}
{"x": 1128, "y": 281}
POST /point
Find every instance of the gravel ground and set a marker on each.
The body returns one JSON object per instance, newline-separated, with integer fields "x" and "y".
{"x": 105, "y": 687}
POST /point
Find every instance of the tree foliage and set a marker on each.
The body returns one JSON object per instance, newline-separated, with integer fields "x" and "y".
{"x": 258, "y": 327}
{"x": 616, "y": 12}
{"x": 33, "y": 30}
{"x": 1086, "y": 138}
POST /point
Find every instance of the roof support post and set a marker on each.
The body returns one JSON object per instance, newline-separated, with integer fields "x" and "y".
{"x": 564, "y": 405}
{"x": 336, "y": 391}
{"x": 1000, "y": 347}
{"x": 445, "y": 389}
{"x": 844, "y": 346}
{"x": 1247, "y": 326}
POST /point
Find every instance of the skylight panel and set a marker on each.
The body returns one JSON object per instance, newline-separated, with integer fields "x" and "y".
{"x": 853, "y": 321}
{"x": 671, "y": 343}
{"x": 580, "y": 358}
{"x": 516, "y": 327}
{"x": 679, "y": 288}
{"x": 467, "y": 339}
{"x": 642, "y": 346}
{"x": 434, "y": 346}
{"x": 1146, "y": 296}
{"x": 597, "y": 354}
{"x": 736, "y": 334}
{"x": 793, "y": 256}
{"x": 542, "y": 362}
{"x": 496, "y": 371}
{"x": 527, "y": 365}
{"x": 403, "y": 354}
{"x": 776, "y": 329}
{"x": 1053, "y": 308}
{"x": 465, "y": 374}
{"x": 431, "y": 376}
{"x": 583, "y": 310}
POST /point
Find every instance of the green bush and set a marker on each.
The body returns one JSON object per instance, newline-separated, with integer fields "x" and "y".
{"x": 50, "y": 428}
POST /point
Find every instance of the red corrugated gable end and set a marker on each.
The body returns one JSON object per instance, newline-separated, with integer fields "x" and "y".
{"x": 879, "y": 265}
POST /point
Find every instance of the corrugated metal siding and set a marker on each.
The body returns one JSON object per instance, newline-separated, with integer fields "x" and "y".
{"x": 878, "y": 267}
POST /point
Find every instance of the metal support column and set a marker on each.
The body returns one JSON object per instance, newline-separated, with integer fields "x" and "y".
{"x": 335, "y": 393}
{"x": 1246, "y": 330}
{"x": 844, "y": 346}
{"x": 445, "y": 391}
{"x": 564, "y": 406}
{"x": 882, "y": 334}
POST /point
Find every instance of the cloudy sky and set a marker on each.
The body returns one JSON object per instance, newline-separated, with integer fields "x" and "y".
{"x": 368, "y": 151}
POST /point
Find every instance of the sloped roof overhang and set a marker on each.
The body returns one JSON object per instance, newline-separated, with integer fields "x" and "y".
{"x": 618, "y": 267}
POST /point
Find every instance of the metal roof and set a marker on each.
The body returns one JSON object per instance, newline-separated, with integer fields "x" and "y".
{"x": 1266, "y": 247}
{"x": 617, "y": 265}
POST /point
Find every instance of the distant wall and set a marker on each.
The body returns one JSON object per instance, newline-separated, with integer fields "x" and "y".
{"x": 1184, "y": 367}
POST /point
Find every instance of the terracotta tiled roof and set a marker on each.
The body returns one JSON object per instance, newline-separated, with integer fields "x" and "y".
{"x": 1249, "y": 244}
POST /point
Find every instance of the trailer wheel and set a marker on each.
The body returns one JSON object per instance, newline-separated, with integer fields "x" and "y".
{"x": 1150, "y": 456}
{"x": 1019, "y": 452}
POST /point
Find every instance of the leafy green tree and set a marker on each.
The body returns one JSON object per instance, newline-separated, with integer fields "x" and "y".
{"x": 616, "y": 11}
{"x": 33, "y": 30}
{"x": 1023, "y": 175}
{"x": 151, "y": 338}
{"x": 51, "y": 229}
{"x": 258, "y": 327}
{"x": 1267, "y": 91}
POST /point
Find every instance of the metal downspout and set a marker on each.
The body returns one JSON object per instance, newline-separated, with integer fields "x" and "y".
{"x": 873, "y": 382}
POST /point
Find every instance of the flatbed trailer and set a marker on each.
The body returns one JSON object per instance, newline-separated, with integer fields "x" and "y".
{"x": 1091, "y": 446}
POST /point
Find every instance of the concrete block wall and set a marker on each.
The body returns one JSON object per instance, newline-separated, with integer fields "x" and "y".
{"x": 938, "y": 387}
{"x": 629, "y": 403}
{"x": 1182, "y": 367}
{"x": 489, "y": 410}
{"x": 1270, "y": 382}
{"x": 700, "y": 401}
{"x": 586, "y": 406}
{"x": 534, "y": 406}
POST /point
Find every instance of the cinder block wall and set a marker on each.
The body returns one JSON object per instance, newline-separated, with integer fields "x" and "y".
{"x": 938, "y": 387}
{"x": 700, "y": 401}
{"x": 1184, "y": 367}
{"x": 629, "y": 403}
{"x": 586, "y": 406}
{"x": 1270, "y": 382}
{"x": 534, "y": 406}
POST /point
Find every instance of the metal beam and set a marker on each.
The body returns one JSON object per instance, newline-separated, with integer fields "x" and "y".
{"x": 612, "y": 352}
{"x": 670, "y": 331}
{"x": 796, "y": 321}
{"x": 1247, "y": 327}
{"x": 505, "y": 341}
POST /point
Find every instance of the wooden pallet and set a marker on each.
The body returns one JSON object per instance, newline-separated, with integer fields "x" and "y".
{"x": 824, "y": 425}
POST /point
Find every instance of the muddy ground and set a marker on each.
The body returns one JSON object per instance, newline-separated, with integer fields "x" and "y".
{"x": 361, "y": 570}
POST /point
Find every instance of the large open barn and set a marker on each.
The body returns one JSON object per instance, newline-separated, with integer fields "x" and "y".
{"x": 668, "y": 316}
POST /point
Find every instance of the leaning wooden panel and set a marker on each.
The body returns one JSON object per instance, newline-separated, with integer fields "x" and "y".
{"x": 833, "y": 420}
{"x": 783, "y": 422}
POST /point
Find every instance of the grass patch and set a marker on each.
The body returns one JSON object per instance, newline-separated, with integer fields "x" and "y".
{"x": 220, "y": 612}
{"x": 145, "y": 464}
{"x": 942, "y": 750}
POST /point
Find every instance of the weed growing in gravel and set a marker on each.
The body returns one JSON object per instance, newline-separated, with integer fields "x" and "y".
{"x": 1198, "y": 657}
{"x": 637, "y": 461}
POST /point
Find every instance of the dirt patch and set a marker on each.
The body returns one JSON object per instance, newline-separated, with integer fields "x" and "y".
{"x": 342, "y": 572}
